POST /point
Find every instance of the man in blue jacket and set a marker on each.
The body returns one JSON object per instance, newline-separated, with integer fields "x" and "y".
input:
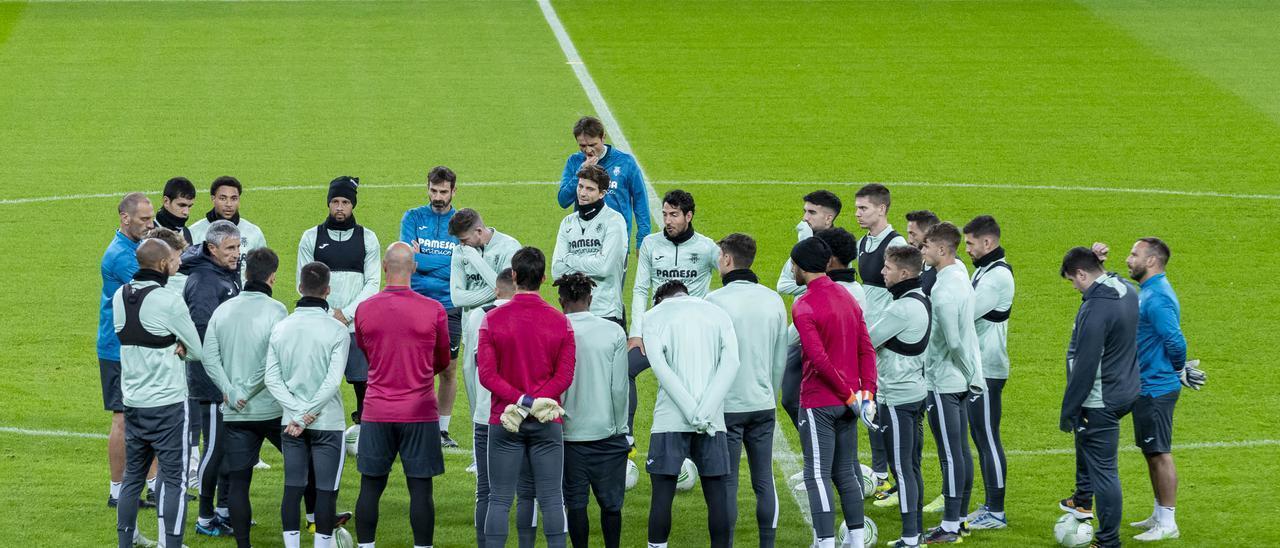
{"x": 426, "y": 229}
{"x": 626, "y": 193}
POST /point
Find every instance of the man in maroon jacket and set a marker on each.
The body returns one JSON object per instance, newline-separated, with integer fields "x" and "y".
{"x": 525, "y": 357}
{"x": 838, "y": 386}
{"x": 400, "y": 415}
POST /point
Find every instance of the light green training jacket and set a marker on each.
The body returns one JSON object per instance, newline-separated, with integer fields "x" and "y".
{"x": 693, "y": 351}
{"x": 900, "y": 378}
{"x": 596, "y": 402}
{"x": 306, "y": 358}
{"x": 993, "y": 290}
{"x": 473, "y": 273}
{"x": 597, "y": 248}
{"x": 692, "y": 262}
{"x": 346, "y": 289}
{"x": 235, "y": 354}
{"x": 760, "y": 323}
{"x": 154, "y": 377}
{"x": 954, "y": 361}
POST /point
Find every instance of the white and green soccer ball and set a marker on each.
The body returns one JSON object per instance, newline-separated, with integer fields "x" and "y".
{"x": 1073, "y": 532}
{"x": 869, "y": 532}
{"x": 687, "y": 477}
{"x": 342, "y": 538}
{"x": 351, "y": 439}
{"x": 868, "y": 477}
{"x": 633, "y": 474}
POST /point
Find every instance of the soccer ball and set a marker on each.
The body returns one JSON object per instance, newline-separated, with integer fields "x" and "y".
{"x": 633, "y": 474}
{"x": 1072, "y": 532}
{"x": 342, "y": 538}
{"x": 688, "y": 476}
{"x": 351, "y": 439}
{"x": 868, "y": 480}
{"x": 868, "y": 532}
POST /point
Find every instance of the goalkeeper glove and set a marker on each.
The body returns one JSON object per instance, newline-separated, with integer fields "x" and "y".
{"x": 1191, "y": 375}
{"x": 546, "y": 410}
{"x": 863, "y": 403}
{"x": 512, "y": 417}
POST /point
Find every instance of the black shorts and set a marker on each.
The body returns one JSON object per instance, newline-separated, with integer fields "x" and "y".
{"x": 1153, "y": 423}
{"x": 357, "y": 363}
{"x": 417, "y": 443}
{"x": 243, "y": 441}
{"x": 599, "y": 466}
{"x": 109, "y": 374}
{"x": 322, "y": 450}
{"x": 455, "y": 330}
{"x": 667, "y": 451}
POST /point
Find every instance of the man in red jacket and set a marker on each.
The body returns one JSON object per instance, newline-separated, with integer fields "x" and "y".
{"x": 525, "y": 357}
{"x": 838, "y": 386}
{"x": 400, "y": 414}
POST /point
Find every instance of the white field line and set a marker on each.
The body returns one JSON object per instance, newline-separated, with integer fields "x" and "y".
{"x": 611, "y": 125}
{"x": 807, "y": 184}
{"x": 789, "y": 463}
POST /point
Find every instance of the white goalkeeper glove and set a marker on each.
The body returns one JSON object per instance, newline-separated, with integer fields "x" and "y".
{"x": 863, "y": 403}
{"x": 546, "y": 410}
{"x": 512, "y": 417}
{"x": 1191, "y": 375}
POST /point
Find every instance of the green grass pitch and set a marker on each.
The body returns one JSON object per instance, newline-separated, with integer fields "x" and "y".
{"x": 747, "y": 104}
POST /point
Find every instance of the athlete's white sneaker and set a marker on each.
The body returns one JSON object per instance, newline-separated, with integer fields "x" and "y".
{"x": 935, "y": 505}
{"x": 140, "y": 541}
{"x": 1159, "y": 532}
{"x": 1146, "y": 523}
{"x": 262, "y": 465}
{"x": 471, "y": 468}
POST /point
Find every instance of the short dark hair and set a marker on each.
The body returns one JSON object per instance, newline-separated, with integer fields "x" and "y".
{"x": 529, "y": 266}
{"x": 574, "y": 287}
{"x": 260, "y": 264}
{"x": 314, "y": 279}
{"x": 824, "y": 198}
{"x": 944, "y": 233}
{"x": 597, "y": 175}
{"x": 441, "y": 174}
{"x": 905, "y": 256}
{"x": 589, "y": 126}
{"x": 1080, "y": 258}
{"x": 669, "y": 289}
{"x": 179, "y": 187}
{"x": 876, "y": 192}
{"x": 1157, "y": 247}
{"x": 844, "y": 247}
{"x": 463, "y": 220}
{"x": 739, "y": 246}
{"x": 505, "y": 278}
{"x": 983, "y": 226}
{"x": 225, "y": 180}
{"x": 923, "y": 218}
{"x": 173, "y": 239}
{"x": 679, "y": 199}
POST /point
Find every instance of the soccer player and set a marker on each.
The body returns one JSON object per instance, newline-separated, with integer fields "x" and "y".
{"x": 119, "y": 263}
{"x": 1162, "y": 364}
{"x": 992, "y": 282}
{"x": 155, "y": 334}
{"x": 593, "y": 241}
{"x": 480, "y": 398}
{"x": 213, "y": 277}
{"x": 306, "y": 357}
{"x": 953, "y": 373}
{"x": 351, "y": 252}
{"x": 595, "y": 423}
{"x": 839, "y": 387}
{"x": 1102, "y": 385}
{"x": 694, "y": 354}
{"x": 525, "y": 359}
{"x": 760, "y": 324}
{"x": 175, "y": 211}
{"x": 426, "y": 229}
{"x": 226, "y": 191}
{"x": 235, "y": 355}
{"x": 900, "y": 337}
{"x": 821, "y": 207}
{"x": 401, "y": 416}
{"x": 918, "y": 224}
{"x": 625, "y": 192}
{"x": 678, "y": 253}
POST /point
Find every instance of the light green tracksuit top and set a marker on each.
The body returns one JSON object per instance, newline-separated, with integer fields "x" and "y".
{"x": 993, "y": 290}
{"x": 479, "y": 396}
{"x": 154, "y": 377}
{"x": 597, "y": 248}
{"x": 346, "y": 289}
{"x": 760, "y": 324}
{"x": 900, "y": 379}
{"x": 596, "y": 402}
{"x": 235, "y": 354}
{"x": 954, "y": 361}
{"x": 692, "y": 262}
{"x": 306, "y": 358}
{"x": 473, "y": 273}
{"x": 693, "y": 351}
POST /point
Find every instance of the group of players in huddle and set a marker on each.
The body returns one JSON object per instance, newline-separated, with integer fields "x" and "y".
{"x": 190, "y": 335}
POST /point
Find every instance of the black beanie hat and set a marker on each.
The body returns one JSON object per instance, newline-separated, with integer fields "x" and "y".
{"x": 344, "y": 187}
{"x": 811, "y": 255}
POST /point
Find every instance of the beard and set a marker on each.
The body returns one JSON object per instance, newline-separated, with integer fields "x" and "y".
{"x": 440, "y": 204}
{"x": 1137, "y": 273}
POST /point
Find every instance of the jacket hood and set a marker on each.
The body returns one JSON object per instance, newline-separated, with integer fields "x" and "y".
{"x": 195, "y": 259}
{"x": 1110, "y": 286}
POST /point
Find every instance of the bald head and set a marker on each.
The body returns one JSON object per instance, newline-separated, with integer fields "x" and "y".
{"x": 154, "y": 254}
{"x": 399, "y": 264}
